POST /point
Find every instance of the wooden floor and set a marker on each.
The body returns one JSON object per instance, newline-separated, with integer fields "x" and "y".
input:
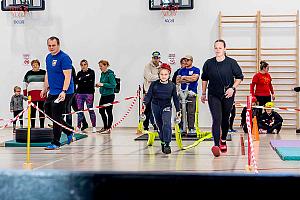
{"x": 119, "y": 152}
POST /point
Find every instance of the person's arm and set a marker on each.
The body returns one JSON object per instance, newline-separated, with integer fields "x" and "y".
{"x": 178, "y": 79}
{"x": 92, "y": 77}
{"x": 271, "y": 89}
{"x": 67, "y": 73}
{"x": 46, "y": 87}
{"x": 203, "y": 95}
{"x": 253, "y": 84}
{"x": 25, "y": 84}
{"x": 205, "y": 78}
{"x": 11, "y": 104}
{"x": 189, "y": 79}
{"x": 148, "y": 97}
{"x": 175, "y": 99}
{"x": 238, "y": 75}
{"x": 148, "y": 75}
{"x": 278, "y": 118}
{"x": 24, "y": 97}
{"x": 111, "y": 81}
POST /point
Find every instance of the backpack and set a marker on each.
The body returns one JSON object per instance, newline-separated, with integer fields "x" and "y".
{"x": 118, "y": 86}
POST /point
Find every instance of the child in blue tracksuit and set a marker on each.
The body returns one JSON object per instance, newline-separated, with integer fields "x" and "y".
{"x": 159, "y": 95}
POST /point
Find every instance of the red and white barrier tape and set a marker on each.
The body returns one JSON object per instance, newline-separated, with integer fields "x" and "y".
{"x": 275, "y": 108}
{"x": 126, "y": 114}
{"x": 63, "y": 126}
{"x": 250, "y": 142}
{"x": 103, "y": 106}
{"x": 16, "y": 118}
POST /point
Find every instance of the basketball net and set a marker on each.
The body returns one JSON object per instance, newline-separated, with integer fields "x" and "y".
{"x": 20, "y": 11}
{"x": 169, "y": 12}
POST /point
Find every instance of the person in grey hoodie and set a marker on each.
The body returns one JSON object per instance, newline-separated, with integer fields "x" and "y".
{"x": 16, "y": 105}
{"x": 150, "y": 75}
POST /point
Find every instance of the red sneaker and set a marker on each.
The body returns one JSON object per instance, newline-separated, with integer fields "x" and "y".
{"x": 216, "y": 151}
{"x": 223, "y": 146}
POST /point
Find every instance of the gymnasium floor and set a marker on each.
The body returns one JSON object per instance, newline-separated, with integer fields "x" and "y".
{"x": 119, "y": 152}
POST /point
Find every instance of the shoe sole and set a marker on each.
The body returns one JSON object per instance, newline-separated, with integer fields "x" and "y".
{"x": 51, "y": 149}
{"x": 216, "y": 151}
{"x": 223, "y": 150}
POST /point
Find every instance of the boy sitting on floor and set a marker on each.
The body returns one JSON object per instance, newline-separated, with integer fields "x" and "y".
{"x": 270, "y": 121}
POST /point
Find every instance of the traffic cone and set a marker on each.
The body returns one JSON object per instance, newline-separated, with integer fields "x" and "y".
{"x": 255, "y": 132}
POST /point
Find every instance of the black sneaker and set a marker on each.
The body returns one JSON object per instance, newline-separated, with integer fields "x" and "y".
{"x": 101, "y": 130}
{"x": 162, "y": 147}
{"x": 83, "y": 128}
{"x": 167, "y": 149}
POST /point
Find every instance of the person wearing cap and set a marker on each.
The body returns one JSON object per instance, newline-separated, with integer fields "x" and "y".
{"x": 159, "y": 95}
{"x": 188, "y": 78}
{"x": 150, "y": 75}
{"x": 255, "y": 112}
{"x": 222, "y": 75}
{"x": 270, "y": 121}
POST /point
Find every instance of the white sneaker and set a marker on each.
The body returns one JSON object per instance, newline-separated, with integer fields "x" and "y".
{"x": 94, "y": 130}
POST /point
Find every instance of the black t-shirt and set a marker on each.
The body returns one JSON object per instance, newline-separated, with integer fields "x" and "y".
{"x": 86, "y": 82}
{"x": 220, "y": 75}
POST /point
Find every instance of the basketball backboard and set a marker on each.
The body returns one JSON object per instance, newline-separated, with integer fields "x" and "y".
{"x": 181, "y": 4}
{"x": 28, "y": 5}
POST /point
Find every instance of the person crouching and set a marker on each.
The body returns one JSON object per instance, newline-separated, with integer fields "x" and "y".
{"x": 159, "y": 95}
{"x": 270, "y": 121}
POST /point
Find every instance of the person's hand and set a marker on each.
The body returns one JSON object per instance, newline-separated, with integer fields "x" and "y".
{"x": 62, "y": 96}
{"x": 273, "y": 97}
{"x": 178, "y": 114}
{"x": 229, "y": 92}
{"x": 203, "y": 98}
{"x": 99, "y": 85}
{"x": 43, "y": 93}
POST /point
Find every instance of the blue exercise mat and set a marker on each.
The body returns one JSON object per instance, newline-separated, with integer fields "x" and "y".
{"x": 288, "y": 153}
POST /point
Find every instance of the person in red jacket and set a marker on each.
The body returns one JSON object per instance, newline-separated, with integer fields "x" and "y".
{"x": 261, "y": 86}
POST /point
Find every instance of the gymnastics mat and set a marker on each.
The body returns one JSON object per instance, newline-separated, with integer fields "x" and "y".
{"x": 284, "y": 143}
{"x": 63, "y": 141}
{"x": 288, "y": 153}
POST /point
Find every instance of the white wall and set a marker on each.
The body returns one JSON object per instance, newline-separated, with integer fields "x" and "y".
{"x": 124, "y": 32}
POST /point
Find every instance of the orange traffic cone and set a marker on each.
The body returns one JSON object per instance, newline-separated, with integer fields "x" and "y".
{"x": 255, "y": 132}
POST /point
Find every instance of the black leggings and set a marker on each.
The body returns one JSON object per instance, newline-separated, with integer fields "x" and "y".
{"x": 232, "y": 116}
{"x": 73, "y": 104}
{"x": 262, "y": 100}
{"x": 106, "y": 113}
{"x": 220, "y": 110}
{"x": 40, "y": 105}
{"x": 21, "y": 118}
